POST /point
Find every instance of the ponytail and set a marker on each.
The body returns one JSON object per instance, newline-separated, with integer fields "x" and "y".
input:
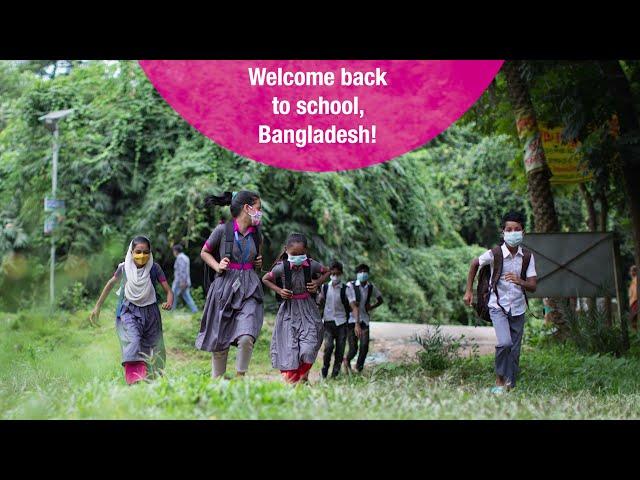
{"x": 235, "y": 200}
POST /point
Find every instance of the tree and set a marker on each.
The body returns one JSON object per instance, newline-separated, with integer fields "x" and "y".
{"x": 537, "y": 170}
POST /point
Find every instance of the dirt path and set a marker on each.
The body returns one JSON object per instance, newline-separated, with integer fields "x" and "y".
{"x": 396, "y": 342}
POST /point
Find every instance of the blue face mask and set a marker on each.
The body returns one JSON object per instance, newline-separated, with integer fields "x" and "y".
{"x": 297, "y": 259}
{"x": 362, "y": 276}
{"x": 513, "y": 239}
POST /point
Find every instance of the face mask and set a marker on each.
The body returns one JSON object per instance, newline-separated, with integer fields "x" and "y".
{"x": 335, "y": 278}
{"x": 255, "y": 217}
{"x": 297, "y": 259}
{"x": 513, "y": 239}
{"x": 362, "y": 276}
{"x": 140, "y": 258}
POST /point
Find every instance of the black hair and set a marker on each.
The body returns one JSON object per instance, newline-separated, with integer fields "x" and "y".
{"x": 514, "y": 216}
{"x": 296, "y": 238}
{"x": 337, "y": 265}
{"x": 140, "y": 239}
{"x": 291, "y": 239}
{"x": 235, "y": 202}
{"x": 362, "y": 268}
{"x": 178, "y": 247}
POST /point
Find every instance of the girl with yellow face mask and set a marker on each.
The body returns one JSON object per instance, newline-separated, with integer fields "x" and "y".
{"x": 138, "y": 320}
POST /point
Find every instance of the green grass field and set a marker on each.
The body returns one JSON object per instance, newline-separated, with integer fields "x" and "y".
{"x": 61, "y": 368}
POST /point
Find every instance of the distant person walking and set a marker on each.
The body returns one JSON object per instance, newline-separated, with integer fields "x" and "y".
{"x": 633, "y": 297}
{"x": 182, "y": 278}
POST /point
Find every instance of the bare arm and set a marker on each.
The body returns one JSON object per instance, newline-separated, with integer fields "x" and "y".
{"x": 209, "y": 260}
{"x": 283, "y": 292}
{"x": 165, "y": 286}
{"x": 95, "y": 313}
{"x": 473, "y": 270}
{"x": 314, "y": 285}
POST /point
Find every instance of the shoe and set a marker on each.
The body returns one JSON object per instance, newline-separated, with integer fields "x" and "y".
{"x": 497, "y": 390}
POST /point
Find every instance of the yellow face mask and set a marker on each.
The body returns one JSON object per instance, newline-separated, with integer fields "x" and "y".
{"x": 141, "y": 259}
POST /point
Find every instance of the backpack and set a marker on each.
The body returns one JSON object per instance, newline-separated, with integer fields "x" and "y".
{"x": 356, "y": 289}
{"x": 285, "y": 280}
{"x": 209, "y": 273}
{"x": 487, "y": 283}
{"x": 343, "y": 298}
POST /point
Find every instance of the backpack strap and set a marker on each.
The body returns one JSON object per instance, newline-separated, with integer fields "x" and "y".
{"x": 523, "y": 273}
{"x": 345, "y": 300}
{"x": 497, "y": 271}
{"x": 228, "y": 240}
{"x": 369, "y": 291}
{"x": 257, "y": 240}
{"x": 325, "y": 288}
{"x": 286, "y": 268}
{"x": 356, "y": 289}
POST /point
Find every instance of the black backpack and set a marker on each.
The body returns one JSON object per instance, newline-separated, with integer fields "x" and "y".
{"x": 285, "y": 280}
{"x": 209, "y": 273}
{"x": 487, "y": 283}
{"x": 343, "y": 298}
{"x": 356, "y": 289}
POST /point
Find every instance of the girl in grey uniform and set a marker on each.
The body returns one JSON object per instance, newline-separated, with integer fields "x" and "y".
{"x": 233, "y": 311}
{"x": 297, "y": 335}
{"x": 138, "y": 321}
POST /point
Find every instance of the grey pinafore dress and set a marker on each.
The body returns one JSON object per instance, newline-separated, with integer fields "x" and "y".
{"x": 140, "y": 328}
{"x": 297, "y": 334}
{"x": 228, "y": 313}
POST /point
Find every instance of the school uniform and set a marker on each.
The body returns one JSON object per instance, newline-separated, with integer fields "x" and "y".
{"x": 335, "y": 317}
{"x": 234, "y": 304}
{"x": 507, "y": 311}
{"x": 139, "y": 326}
{"x": 368, "y": 291}
{"x": 297, "y": 334}
{"x": 182, "y": 276}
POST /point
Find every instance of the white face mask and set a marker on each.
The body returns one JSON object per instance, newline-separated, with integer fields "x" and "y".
{"x": 335, "y": 278}
{"x": 513, "y": 239}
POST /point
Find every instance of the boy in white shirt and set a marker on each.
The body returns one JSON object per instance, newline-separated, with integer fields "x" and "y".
{"x": 507, "y": 302}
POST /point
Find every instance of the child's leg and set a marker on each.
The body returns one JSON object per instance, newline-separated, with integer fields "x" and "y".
{"x": 341, "y": 340}
{"x": 245, "y": 349}
{"x": 352, "y": 341}
{"x": 364, "y": 348}
{"x": 188, "y": 299}
{"x": 219, "y": 363}
{"x": 503, "y": 347}
{"x": 176, "y": 296}
{"x": 516, "y": 328}
{"x": 290, "y": 376}
{"x": 328, "y": 348}
{"x": 303, "y": 371}
{"x": 135, "y": 372}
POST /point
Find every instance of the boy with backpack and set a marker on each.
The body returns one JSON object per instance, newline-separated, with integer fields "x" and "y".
{"x": 507, "y": 272}
{"x": 339, "y": 300}
{"x": 358, "y": 327}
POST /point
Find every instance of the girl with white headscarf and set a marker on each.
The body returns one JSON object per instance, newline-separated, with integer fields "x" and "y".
{"x": 138, "y": 320}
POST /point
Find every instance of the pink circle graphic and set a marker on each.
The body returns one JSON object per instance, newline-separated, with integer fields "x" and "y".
{"x": 374, "y": 111}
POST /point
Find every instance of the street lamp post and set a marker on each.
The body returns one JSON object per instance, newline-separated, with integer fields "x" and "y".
{"x": 51, "y": 122}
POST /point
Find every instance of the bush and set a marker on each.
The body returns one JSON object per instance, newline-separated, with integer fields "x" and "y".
{"x": 439, "y": 350}
{"x": 73, "y": 298}
{"x": 589, "y": 331}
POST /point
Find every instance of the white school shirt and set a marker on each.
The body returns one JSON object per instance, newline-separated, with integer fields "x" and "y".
{"x": 333, "y": 308}
{"x": 511, "y": 295}
{"x": 375, "y": 294}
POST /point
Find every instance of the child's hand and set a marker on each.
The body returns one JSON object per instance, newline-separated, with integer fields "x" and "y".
{"x": 94, "y": 316}
{"x": 284, "y": 293}
{"x": 367, "y": 307}
{"x": 257, "y": 263}
{"x": 166, "y": 305}
{"x": 358, "y": 330}
{"x": 512, "y": 277}
{"x": 222, "y": 266}
{"x": 468, "y": 298}
{"x": 312, "y": 287}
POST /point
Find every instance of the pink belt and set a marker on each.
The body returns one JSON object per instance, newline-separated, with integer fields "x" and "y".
{"x": 240, "y": 266}
{"x": 300, "y": 296}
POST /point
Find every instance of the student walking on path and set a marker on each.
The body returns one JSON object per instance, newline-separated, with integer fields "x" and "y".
{"x": 182, "y": 279}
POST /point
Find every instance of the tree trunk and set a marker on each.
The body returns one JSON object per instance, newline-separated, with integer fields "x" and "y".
{"x": 537, "y": 170}
{"x": 591, "y": 209}
{"x": 618, "y": 86}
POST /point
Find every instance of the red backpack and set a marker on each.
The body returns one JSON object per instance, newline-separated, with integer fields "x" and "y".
{"x": 487, "y": 283}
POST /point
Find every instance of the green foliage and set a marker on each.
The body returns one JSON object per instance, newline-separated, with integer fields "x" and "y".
{"x": 589, "y": 331}
{"x": 439, "y": 351}
{"x": 73, "y": 298}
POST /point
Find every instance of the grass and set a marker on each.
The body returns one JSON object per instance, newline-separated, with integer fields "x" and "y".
{"x": 60, "y": 367}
